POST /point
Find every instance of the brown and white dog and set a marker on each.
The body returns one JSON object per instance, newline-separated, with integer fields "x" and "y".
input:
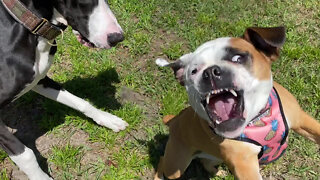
{"x": 228, "y": 81}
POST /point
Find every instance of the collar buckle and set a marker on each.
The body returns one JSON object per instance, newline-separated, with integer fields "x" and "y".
{"x": 39, "y": 26}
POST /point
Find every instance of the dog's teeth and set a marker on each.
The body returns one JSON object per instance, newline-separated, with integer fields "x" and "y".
{"x": 234, "y": 93}
{"x": 218, "y": 122}
{"x": 208, "y": 98}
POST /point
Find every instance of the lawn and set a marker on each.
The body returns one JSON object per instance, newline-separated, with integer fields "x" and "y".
{"x": 126, "y": 82}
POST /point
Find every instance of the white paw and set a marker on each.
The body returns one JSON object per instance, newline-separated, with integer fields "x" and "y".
{"x": 110, "y": 121}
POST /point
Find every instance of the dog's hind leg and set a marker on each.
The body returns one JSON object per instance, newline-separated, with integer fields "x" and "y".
{"x": 52, "y": 90}
{"x": 308, "y": 127}
{"x": 21, "y": 155}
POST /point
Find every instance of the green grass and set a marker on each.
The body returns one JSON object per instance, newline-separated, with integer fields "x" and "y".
{"x": 169, "y": 29}
{"x": 67, "y": 158}
{"x": 3, "y": 174}
{"x": 3, "y": 155}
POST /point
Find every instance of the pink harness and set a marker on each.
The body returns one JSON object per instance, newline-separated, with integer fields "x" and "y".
{"x": 269, "y": 130}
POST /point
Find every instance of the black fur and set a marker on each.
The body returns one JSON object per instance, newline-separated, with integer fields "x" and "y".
{"x": 245, "y": 57}
{"x": 8, "y": 142}
{"x": 76, "y": 13}
{"x": 49, "y": 83}
{"x": 17, "y": 56}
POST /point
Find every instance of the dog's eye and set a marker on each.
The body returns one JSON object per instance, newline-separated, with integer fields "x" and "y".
{"x": 193, "y": 72}
{"x": 237, "y": 59}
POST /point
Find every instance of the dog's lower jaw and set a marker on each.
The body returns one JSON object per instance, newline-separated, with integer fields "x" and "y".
{"x": 229, "y": 134}
{"x": 229, "y": 129}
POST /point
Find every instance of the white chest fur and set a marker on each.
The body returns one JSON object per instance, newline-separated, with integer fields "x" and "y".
{"x": 41, "y": 66}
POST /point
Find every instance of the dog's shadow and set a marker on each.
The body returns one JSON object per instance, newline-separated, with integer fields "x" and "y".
{"x": 32, "y": 115}
{"x": 156, "y": 147}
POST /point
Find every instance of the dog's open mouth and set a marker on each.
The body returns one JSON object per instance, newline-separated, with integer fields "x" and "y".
{"x": 83, "y": 40}
{"x": 223, "y": 105}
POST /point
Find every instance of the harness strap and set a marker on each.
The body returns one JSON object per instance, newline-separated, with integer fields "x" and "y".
{"x": 273, "y": 139}
{"x": 38, "y": 26}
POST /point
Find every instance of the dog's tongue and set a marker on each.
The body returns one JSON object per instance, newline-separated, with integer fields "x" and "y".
{"x": 222, "y": 106}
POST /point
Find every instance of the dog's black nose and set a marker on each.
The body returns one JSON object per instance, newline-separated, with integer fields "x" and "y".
{"x": 216, "y": 77}
{"x": 212, "y": 72}
{"x": 115, "y": 38}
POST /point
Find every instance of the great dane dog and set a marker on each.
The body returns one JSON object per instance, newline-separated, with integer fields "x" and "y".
{"x": 27, "y": 32}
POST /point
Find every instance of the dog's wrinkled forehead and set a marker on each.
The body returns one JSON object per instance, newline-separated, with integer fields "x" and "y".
{"x": 225, "y": 51}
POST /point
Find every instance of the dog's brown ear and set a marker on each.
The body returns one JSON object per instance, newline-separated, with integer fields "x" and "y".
{"x": 267, "y": 40}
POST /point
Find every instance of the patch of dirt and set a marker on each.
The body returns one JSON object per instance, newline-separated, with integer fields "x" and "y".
{"x": 128, "y": 95}
{"x": 92, "y": 152}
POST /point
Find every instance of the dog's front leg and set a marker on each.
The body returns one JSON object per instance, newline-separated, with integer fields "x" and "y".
{"x": 52, "y": 90}
{"x": 21, "y": 155}
{"x": 242, "y": 159}
{"x": 175, "y": 161}
{"x": 245, "y": 168}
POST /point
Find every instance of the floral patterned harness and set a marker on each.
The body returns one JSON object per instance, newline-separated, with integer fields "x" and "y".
{"x": 269, "y": 130}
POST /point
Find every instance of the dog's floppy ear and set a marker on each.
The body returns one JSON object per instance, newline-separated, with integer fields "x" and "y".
{"x": 178, "y": 66}
{"x": 267, "y": 40}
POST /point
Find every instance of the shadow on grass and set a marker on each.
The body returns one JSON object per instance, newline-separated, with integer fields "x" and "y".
{"x": 33, "y": 115}
{"x": 156, "y": 147}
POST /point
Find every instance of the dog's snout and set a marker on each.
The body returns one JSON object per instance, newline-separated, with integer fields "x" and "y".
{"x": 216, "y": 77}
{"x": 115, "y": 38}
{"x": 212, "y": 72}
{"x": 206, "y": 74}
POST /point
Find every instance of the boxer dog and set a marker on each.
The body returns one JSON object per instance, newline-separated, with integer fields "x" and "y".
{"x": 238, "y": 114}
{"x": 28, "y": 29}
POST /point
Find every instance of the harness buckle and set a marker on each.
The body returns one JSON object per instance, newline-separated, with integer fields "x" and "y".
{"x": 36, "y": 29}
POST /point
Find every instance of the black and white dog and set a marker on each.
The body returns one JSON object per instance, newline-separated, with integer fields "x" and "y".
{"x": 25, "y": 59}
